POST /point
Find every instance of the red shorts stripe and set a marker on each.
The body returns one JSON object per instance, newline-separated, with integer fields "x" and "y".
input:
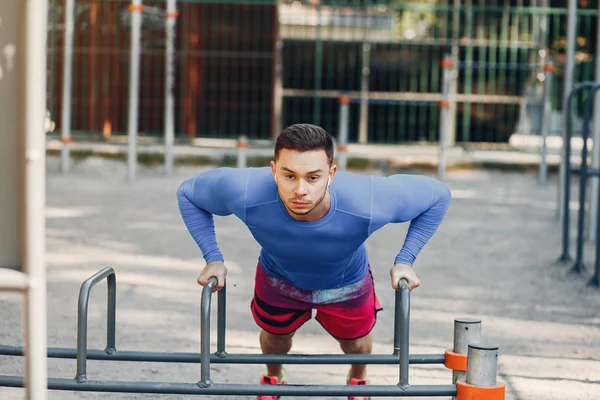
{"x": 280, "y": 308}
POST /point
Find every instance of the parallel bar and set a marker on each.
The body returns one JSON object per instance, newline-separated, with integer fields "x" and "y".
{"x": 82, "y": 317}
{"x": 205, "y": 333}
{"x": 304, "y": 359}
{"x": 404, "y": 322}
{"x": 221, "y": 321}
{"x": 239, "y": 389}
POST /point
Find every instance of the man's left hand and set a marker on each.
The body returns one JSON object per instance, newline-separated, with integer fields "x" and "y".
{"x": 405, "y": 271}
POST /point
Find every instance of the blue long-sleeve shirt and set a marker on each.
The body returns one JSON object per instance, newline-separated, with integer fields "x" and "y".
{"x": 324, "y": 254}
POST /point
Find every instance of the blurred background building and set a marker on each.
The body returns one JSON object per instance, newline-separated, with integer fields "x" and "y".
{"x": 251, "y": 67}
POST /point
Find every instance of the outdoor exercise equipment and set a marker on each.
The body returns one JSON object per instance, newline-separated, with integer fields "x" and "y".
{"x": 474, "y": 365}
{"x": 585, "y": 172}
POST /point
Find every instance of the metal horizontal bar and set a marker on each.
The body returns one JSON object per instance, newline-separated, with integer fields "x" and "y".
{"x": 145, "y": 356}
{"x": 238, "y": 389}
{"x": 404, "y": 96}
{"x": 593, "y": 172}
{"x": 11, "y": 279}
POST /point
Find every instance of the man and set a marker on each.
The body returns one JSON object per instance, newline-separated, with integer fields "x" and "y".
{"x": 311, "y": 222}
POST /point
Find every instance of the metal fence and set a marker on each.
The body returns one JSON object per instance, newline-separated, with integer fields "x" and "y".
{"x": 251, "y": 67}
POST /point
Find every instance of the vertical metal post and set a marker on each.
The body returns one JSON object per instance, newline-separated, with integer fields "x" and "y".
{"x": 446, "y": 65}
{"x": 578, "y": 267}
{"x": 277, "y": 90}
{"x": 318, "y": 68}
{"x": 568, "y": 84}
{"x": 134, "y": 83}
{"x": 65, "y": 131}
{"x": 466, "y": 331}
{"x": 277, "y": 79}
{"x": 404, "y": 323}
{"x": 594, "y": 192}
{"x": 82, "y": 318}
{"x": 205, "y": 333}
{"x": 545, "y": 122}
{"x": 595, "y": 280}
{"x": 171, "y": 17}
{"x": 482, "y": 365}
{"x": 566, "y": 214}
{"x": 363, "y": 127}
{"x": 454, "y": 73}
{"x": 33, "y": 114}
{"x": 221, "y": 321}
{"x": 242, "y": 151}
{"x": 111, "y": 317}
{"x": 343, "y": 133}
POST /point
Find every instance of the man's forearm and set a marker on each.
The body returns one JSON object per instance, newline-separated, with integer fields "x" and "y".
{"x": 201, "y": 226}
{"x": 420, "y": 231}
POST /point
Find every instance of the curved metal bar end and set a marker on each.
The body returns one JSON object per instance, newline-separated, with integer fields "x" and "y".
{"x": 401, "y": 283}
{"x": 210, "y": 284}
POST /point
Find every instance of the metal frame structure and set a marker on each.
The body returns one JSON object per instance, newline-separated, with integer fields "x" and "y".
{"x": 464, "y": 337}
{"x": 585, "y": 172}
{"x": 22, "y": 177}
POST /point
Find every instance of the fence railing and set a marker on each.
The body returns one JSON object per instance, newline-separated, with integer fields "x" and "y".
{"x": 251, "y": 67}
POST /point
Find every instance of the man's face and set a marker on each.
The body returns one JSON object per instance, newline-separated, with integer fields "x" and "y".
{"x": 302, "y": 182}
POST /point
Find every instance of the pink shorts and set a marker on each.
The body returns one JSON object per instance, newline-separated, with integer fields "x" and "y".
{"x": 348, "y": 313}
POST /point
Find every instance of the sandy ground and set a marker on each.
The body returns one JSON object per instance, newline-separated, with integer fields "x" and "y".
{"x": 494, "y": 258}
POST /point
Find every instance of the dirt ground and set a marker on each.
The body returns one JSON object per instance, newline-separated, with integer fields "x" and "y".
{"x": 493, "y": 258}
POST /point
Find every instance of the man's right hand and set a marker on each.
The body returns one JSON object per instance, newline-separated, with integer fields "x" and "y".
{"x": 216, "y": 269}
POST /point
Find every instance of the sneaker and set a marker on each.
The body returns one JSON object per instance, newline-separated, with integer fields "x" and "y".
{"x": 271, "y": 380}
{"x": 353, "y": 381}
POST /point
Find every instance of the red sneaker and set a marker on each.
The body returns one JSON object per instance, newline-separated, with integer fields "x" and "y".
{"x": 353, "y": 381}
{"x": 271, "y": 380}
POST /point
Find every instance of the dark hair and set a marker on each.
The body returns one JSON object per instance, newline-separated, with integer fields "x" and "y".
{"x": 305, "y": 137}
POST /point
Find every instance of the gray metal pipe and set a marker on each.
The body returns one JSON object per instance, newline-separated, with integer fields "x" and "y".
{"x": 82, "y": 318}
{"x": 240, "y": 389}
{"x": 221, "y": 321}
{"x": 545, "y": 122}
{"x": 65, "y": 151}
{"x": 568, "y": 84}
{"x": 578, "y": 266}
{"x": 134, "y": 88}
{"x": 169, "y": 85}
{"x": 404, "y": 323}
{"x": 466, "y": 331}
{"x": 482, "y": 365}
{"x": 444, "y": 116}
{"x": 205, "y": 333}
{"x": 343, "y": 133}
{"x": 191, "y": 358}
{"x": 565, "y": 256}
